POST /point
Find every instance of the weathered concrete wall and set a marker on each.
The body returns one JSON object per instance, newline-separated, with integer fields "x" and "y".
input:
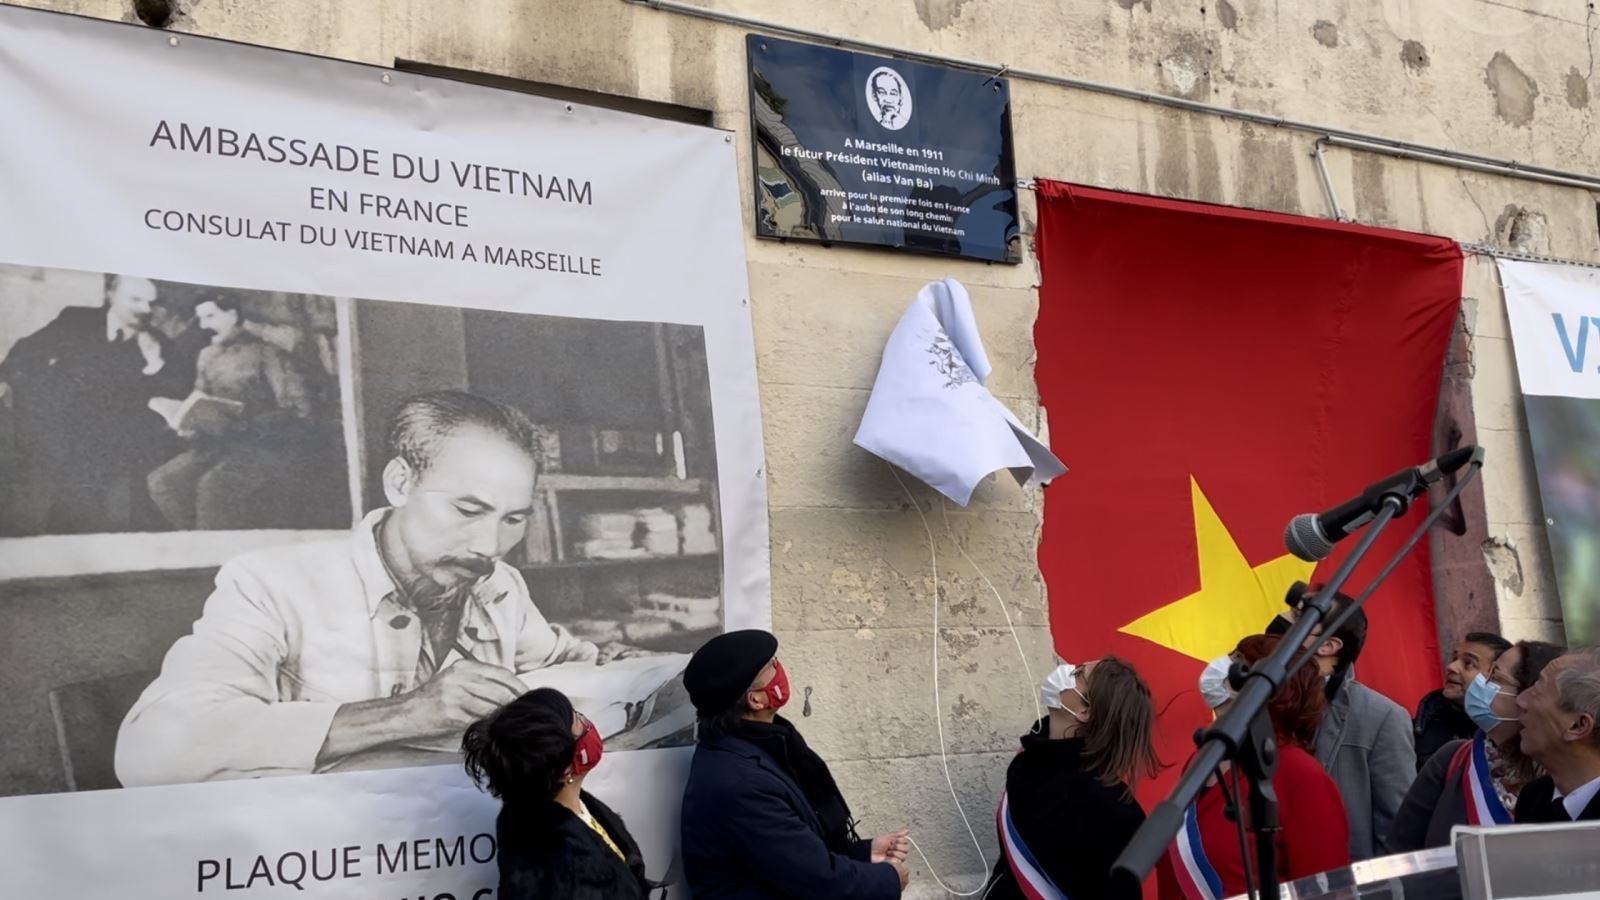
{"x": 851, "y": 577}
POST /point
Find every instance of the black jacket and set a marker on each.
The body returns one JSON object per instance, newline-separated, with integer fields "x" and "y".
{"x": 1438, "y": 722}
{"x": 546, "y": 851}
{"x": 73, "y": 388}
{"x": 1074, "y": 826}
{"x": 1538, "y": 803}
{"x": 750, "y": 831}
{"x": 1433, "y": 807}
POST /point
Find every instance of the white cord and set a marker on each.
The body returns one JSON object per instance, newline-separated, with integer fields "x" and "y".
{"x": 987, "y": 887}
{"x": 938, "y": 709}
{"x": 1038, "y": 711}
{"x": 938, "y": 706}
{"x": 1033, "y": 694}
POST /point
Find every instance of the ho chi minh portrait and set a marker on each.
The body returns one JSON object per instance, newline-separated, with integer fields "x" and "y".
{"x": 888, "y": 98}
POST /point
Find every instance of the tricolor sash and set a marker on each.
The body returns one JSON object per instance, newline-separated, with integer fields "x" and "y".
{"x": 1477, "y": 783}
{"x": 1035, "y": 884}
{"x": 1197, "y": 878}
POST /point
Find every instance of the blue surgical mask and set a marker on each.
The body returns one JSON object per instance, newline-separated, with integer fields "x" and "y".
{"x": 1481, "y": 694}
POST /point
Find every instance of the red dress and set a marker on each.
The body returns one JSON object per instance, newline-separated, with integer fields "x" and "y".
{"x": 1315, "y": 835}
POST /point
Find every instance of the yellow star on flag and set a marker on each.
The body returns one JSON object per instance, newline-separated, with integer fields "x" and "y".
{"x": 1235, "y": 598}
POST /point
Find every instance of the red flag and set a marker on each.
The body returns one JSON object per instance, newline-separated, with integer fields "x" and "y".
{"x": 1208, "y": 373}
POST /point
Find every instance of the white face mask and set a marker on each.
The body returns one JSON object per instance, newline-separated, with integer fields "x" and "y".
{"x": 1064, "y": 678}
{"x": 1214, "y": 685}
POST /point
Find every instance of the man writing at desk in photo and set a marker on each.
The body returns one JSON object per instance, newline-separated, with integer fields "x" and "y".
{"x": 409, "y": 629}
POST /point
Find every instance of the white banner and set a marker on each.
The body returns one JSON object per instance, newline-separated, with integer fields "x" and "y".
{"x": 1555, "y": 325}
{"x": 279, "y": 339}
{"x": 1555, "y": 330}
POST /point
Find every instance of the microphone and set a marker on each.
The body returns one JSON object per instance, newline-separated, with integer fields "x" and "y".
{"x": 1311, "y": 536}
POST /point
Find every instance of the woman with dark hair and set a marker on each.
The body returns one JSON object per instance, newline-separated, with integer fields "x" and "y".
{"x": 1207, "y": 860}
{"x": 1068, "y": 808}
{"x": 554, "y": 839}
{"x": 1476, "y": 781}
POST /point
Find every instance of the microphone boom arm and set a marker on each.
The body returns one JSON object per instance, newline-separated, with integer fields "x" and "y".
{"x": 1433, "y": 517}
{"x": 1226, "y": 737}
{"x": 1231, "y": 736}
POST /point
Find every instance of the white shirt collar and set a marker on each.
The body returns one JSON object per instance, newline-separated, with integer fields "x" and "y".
{"x": 1579, "y": 800}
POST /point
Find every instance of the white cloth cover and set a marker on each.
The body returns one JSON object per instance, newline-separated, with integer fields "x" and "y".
{"x": 930, "y": 413}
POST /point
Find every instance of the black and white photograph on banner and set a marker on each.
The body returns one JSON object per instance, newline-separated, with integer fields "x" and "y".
{"x": 534, "y": 505}
{"x": 134, "y": 405}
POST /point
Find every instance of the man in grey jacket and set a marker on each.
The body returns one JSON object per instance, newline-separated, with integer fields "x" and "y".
{"x": 1365, "y": 740}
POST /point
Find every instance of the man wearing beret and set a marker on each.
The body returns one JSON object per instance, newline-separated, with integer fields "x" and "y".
{"x": 762, "y": 816}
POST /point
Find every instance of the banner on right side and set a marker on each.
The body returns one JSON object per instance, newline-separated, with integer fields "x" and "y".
{"x": 1555, "y": 330}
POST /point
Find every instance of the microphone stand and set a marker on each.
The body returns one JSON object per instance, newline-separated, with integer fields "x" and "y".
{"x": 1244, "y": 733}
{"x": 1473, "y": 465}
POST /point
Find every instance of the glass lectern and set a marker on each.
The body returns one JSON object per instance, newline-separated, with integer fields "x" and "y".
{"x": 1535, "y": 862}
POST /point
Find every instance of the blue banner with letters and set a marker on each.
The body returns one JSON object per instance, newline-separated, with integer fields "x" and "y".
{"x": 858, "y": 149}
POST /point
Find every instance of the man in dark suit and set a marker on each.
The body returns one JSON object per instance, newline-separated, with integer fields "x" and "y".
{"x": 762, "y": 817}
{"x": 1559, "y": 716}
{"x": 1441, "y": 716}
{"x": 78, "y": 393}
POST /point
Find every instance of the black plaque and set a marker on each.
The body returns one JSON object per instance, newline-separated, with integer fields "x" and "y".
{"x": 858, "y": 149}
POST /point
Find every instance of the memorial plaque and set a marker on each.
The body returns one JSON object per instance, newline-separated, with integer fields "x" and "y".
{"x": 858, "y": 149}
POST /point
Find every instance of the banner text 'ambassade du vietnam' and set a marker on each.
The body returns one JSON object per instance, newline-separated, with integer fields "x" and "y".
{"x": 252, "y": 523}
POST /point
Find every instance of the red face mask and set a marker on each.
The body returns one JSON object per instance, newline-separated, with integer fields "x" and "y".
{"x": 777, "y": 690}
{"x": 586, "y": 755}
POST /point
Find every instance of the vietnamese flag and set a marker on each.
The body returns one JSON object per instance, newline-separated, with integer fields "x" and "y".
{"x": 1209, "y": 373}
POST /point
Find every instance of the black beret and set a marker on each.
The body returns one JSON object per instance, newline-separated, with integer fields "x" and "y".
{"x": 724, "y": 667}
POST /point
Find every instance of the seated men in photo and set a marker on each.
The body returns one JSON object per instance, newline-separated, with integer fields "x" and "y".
{"x": 89, "y": 373}
{"x": 246, "y": 425}
{"x": 309, "y": 657}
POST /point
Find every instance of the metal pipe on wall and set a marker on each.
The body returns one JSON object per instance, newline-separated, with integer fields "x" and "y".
{"x": 1327, "y": 180}
{"x": 1359, "y": 140}
{"x": 1473, "y": 249}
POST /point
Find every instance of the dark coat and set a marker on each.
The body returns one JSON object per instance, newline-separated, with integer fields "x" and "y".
{"x": 1433, "y": 806}
{"x": 1438, "y": 722}
{"x": 83, "y": 435}
{"x": 1074, "y": 826}
{"x": 749, "y": 833}
{"x": 82, "y": 398}
{"x": 1538, "y": 803}
{"x": 546, "y": 851}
